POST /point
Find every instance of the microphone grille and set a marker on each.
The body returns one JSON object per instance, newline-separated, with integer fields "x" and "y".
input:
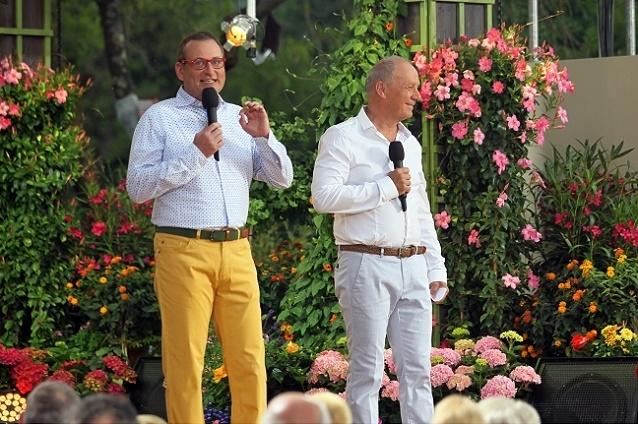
{"x": 210, "y": 98}
{"x": 396, "y": 151}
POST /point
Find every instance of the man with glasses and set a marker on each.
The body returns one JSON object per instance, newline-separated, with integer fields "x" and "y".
{"x": 204, "y": 266}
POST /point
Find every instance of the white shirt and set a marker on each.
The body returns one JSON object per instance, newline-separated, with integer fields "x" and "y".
{"x": 191, "y": 190}
{"x": 350, "y": 180}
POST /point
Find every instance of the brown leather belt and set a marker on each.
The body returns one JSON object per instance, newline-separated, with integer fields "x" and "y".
{"x": 400, "y": 252}
{"x": 224, "y": 234}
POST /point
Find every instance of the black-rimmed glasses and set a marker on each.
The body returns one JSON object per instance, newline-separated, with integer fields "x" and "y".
{"x": 200, "y": 63}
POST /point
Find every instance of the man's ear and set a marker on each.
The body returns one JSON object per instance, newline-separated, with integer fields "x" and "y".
{"x": 179, "y": 71}
{"x": 379, "y": 88}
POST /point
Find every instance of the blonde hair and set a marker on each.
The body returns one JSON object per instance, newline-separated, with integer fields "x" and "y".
{"x": 338, "y": 407}
{"x": 457, "y": 409}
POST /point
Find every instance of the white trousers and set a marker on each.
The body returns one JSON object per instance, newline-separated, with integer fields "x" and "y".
{"x": 379, "y": 296}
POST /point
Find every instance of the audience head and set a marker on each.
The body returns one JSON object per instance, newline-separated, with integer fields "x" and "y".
{"x": 457, "y": 409}
{"x": 103, "y": 408}
{"x": 337, "y": 406}
{"x": 502, "y": 410}
{"x": 50, "y": 402}
{"x": 295, "y": 408}
{"x": 150, "y": 419}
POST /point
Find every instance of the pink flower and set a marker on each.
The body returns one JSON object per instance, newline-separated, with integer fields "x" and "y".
{"x": 4, "y": 123}
{"x": 531, "y": 234}
{"x": 498, "y": 386}
{"x": 500, "y": 159}
{"x": 513, "y": 122}
{"x": 4, "y": 108}
{"x": 525, "y": 374}
{"x": 450, "y": 356}
{"x": 510, "y": 281}
{"x": 440, "y": 374}
{"x": 60, "y": 95}
{"x": 473, "y": 238}
{"x": 442, "y": 92}
{"x": 389, "y": 361}
{"x": 14, "y": 109}
{"x": 498, "y": 87}
{"x": 494, "y": 357}
{"x": 474, "y": 42}
{"x": 459, "y": 382}
{"x": 562, "y": 115}
{"x": 426, "y": 92}
{"x": 533, "y": 280}
{"x": 502, "y": 198}
{"x": 329, "y": 363}
{"x": 524, "y": 163}
{"x": 459, "y": 130}
{"x": 316, "y": 390}
{"x": 485, "y": 64}
{"x": 442, "y": 220}
{"x": 487, "y": 342}
{"x": 391, "y": 390}
{"x": 12, "y": 76}
{"x": 464, "y": 369}
{"x": 478, "y": 136}
{"x": 98, "y": 228}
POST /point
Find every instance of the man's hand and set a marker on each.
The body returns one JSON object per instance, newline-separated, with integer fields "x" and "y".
{"x": 254, "y": 119}
{"x": 438, "y": 291}
{"x": 401, "y": 179}
{"x": 210, "y": 139}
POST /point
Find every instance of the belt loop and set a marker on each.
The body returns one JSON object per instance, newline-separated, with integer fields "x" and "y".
{"x": 382, "y": 251}
{"x": 198, "y": 234}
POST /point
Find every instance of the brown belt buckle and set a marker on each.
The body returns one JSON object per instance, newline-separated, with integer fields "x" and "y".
{"x": 406, "y": 252}
{"x": 228, "y": 232}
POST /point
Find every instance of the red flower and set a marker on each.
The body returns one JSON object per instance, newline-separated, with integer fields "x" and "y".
{"x": 11, "y": 356}
{"x": 408, "y": 42}
{"x": 95, "y": 380}
{"x": 98, "y": 229}
{"x": 76, "y": 232}
{"x": 579, "y": 341}
{"x": 64, "y": 376}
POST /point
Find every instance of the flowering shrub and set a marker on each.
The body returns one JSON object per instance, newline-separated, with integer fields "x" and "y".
{"x": 579, "y": 299}
{"x": 484, "y": 96}
{"x": 112, "y": 289}
{"x": 587, "y": 204}
{"x": 23, "y": 369}
{"x": 481, "y": 368}
{"x": 40, "y": 163}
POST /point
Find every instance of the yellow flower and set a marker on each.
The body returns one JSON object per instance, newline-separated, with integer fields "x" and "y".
{"x": 69, "y": 285}
{"x": 512, "y": 336}
{"x": 586, "y": 267}
{"x": 611, "y": 272}
{"x": 103, "y": 280}
{"x": 72, "y": 300}
{"x": 622, "y": 259}
{"x": 219, "y": 374}
{"x": 292, "y": 347}
{"x": 558, "y": 343}
{"x": 627, "y": 334}
{"x": 104, "y": 310}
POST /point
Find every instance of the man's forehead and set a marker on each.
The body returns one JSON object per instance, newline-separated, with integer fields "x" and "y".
{"x": 207, "y": 46}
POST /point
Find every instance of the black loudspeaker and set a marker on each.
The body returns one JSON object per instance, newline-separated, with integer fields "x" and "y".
{"x": 588, "y": 390}
{"x": 148, "y": 394}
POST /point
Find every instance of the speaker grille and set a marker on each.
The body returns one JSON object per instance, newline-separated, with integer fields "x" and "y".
{"x": 588, "y": 390}
{"x": 148, "y": 393}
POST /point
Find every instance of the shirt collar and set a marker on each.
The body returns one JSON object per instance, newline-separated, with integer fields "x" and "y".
{"x": 365, "y": 123}
{"x": 184, "y": 99}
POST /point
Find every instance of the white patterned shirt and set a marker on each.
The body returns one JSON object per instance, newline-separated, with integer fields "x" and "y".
{"x": 350, "y": 179}
{"x": 191, "y": 190}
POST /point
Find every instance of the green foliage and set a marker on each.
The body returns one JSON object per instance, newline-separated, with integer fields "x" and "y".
{"x": 40, "y": 163}
{"x": 585, "y": 198}
{"x": 483, "y": 136}
{"x": 310, "y": 304}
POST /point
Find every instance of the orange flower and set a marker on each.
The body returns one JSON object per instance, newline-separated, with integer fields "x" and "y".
{"x": 578, "y": 295}
{"x": 550, "y": 276}
{"x": 72, "y": 300}
{"x": 292, "y": 348}
{"x": 561, "y": 286}
{"x": 333, "y": 318}
{"x": 527, "y": 316}
{"x": 572, "y": 264}
{"x": 327, "y": 267}
{"x": 124, "y": 297}
{"x": 408, "y": 42}
{"x": 618, "y": 252}
{"x": 389, "y": 26}
{"x": 558, "y": 343}
{"x": 592, "y": 307}
{"x": 591, "y": 334}
{"x": 121, "y": 289}
{"x": 288, "y": 337}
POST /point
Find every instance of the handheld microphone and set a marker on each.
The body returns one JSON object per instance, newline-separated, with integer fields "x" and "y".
{"x": 210, "y": 101}
{"x": 397, "y": 154}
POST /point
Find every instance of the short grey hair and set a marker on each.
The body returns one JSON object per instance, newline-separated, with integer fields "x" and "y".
{"x": 383, "y": 71}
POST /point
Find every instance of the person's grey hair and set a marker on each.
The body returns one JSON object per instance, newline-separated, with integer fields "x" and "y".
{"x": 271, "y": 417}
{"x": 197, "y": 36}
{"x": 499, "y": 410}
{"x": 106, "y": 407}
{"x": 383, "y": 71}
{"x": 526, "y": 413}
{"x": 51, "y": 402}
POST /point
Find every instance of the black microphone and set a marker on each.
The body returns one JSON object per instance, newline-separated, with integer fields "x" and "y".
{"x": 210, "y": 101}
{"x": 397, "y": 154}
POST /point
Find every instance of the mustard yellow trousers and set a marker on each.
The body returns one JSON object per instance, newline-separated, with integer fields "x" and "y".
{"x": 194, "y": 281}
